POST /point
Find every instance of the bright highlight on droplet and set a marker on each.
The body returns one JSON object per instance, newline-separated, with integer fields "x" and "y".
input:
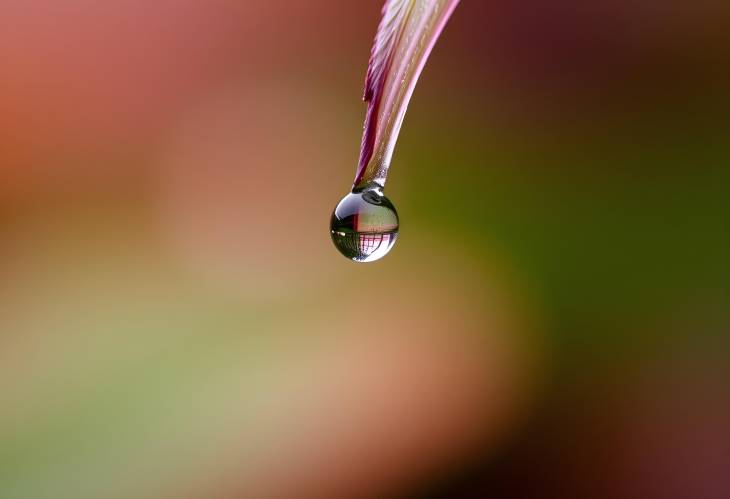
{"x": 364, "y": 225}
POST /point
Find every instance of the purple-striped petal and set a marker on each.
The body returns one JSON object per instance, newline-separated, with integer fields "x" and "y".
{"x": 407, "y": 32}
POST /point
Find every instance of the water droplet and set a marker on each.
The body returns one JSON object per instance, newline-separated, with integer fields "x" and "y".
{"x": 364, "y": 225}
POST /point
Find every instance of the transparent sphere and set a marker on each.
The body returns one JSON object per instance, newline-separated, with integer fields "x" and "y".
{"x": 364, "y": 225}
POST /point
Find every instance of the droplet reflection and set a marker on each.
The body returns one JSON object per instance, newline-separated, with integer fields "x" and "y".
{"x": 364, "y": 225}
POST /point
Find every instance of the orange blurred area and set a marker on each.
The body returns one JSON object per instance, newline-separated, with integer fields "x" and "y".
{"x": 174, "y": 321}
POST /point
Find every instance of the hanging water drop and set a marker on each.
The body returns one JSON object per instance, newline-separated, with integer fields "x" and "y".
{"x": 364, "y": 225}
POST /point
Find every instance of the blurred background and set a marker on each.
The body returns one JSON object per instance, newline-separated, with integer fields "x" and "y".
{"x": 174, "y": 321}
